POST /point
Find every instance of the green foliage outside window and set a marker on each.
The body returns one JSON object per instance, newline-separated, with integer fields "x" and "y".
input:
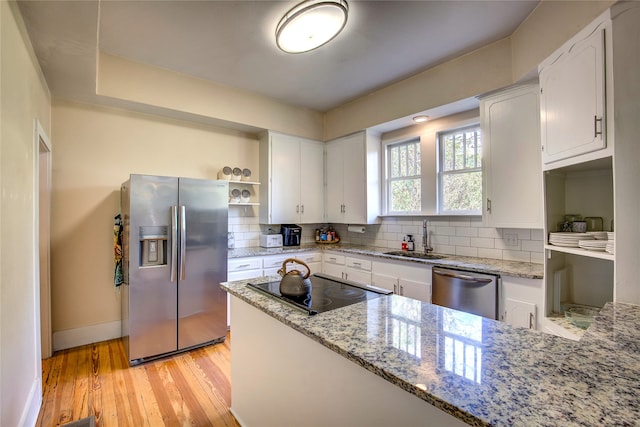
{"x": 461, "y": 171}
{"x": 404, "y": 184}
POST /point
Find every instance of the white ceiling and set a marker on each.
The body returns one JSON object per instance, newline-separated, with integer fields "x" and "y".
{"x": 232, "y": 43}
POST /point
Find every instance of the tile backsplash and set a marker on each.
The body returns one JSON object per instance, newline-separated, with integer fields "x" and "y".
{"x": 464, "y": 236}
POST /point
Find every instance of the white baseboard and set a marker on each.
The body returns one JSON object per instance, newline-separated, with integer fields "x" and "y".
{"x": 33, "y": 404}
{"x": 86, "y": 335}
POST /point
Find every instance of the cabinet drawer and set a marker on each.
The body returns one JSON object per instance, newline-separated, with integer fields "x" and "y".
{"x": 241, "y": 264}
{"x": 275, "y": 261}
{"x": 243, "y": 275}
{"x": 310, "y": 257}
{"x": 358, "y": 264}
{"x": 334, "y": 259}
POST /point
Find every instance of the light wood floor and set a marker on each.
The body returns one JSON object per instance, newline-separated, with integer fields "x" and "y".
{"x": 189, "y": 389}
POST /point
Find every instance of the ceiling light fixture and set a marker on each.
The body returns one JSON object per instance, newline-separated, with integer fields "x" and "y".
{"x": 311, "y": 24}
{"x": 420, "y": 119}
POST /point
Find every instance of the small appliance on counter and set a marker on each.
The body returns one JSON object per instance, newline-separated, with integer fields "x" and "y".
{"x": 271, "y": 240}
{"x": 291, "y": 234}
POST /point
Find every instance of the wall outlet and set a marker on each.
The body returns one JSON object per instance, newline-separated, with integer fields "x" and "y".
{"x": 510, "y": 239}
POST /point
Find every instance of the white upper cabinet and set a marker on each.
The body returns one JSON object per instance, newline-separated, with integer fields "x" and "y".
{"x": 512, "y": 174}
{"x": 292, "y": 168}
{"x": 572, "y": 97}
{"x": 353, "y": 179}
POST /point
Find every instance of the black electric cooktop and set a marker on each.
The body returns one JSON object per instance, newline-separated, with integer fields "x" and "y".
{"x": 327, "y": 293}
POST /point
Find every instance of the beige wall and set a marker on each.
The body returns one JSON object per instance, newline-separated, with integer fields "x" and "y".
{"x": 483, "y": 70}
{"x": 142, "y": 84}
{"x": 23, "y": 98}
{"x": 96, "y": 149}
{"x": 550, "y": 25}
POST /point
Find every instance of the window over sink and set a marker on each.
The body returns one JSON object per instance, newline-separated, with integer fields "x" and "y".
{"x": 434, "y": 168}
{"x": 404, "y": 177}
{"x": 460, "y": 171}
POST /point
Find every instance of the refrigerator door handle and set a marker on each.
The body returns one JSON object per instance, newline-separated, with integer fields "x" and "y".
{"x": 183, "y": 240}
{"x": 174, "y": 243}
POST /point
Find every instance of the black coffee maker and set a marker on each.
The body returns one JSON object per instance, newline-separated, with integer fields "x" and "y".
{"x": 291, "y": 234}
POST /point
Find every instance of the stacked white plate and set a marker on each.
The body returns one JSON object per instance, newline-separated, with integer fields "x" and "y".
{"x": 568, "y": 239}
{"x": 593, "y": 245}
{"x": 598, "y": 235}
{"x": 611, "y": 237}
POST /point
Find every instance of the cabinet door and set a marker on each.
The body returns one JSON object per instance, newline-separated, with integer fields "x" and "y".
{"x": 311, "y": 182}
{"x": 572, "y": 100}
{"x": 355, "y": 190}
{"x": 335, "y": 182}
{"x": 511, "y": 159}
{"x": 358, "y": 276}
{"x": 334, "y": 270}
{"x": 385, "y": 282}
{"x": 520, "y": 313}
{"x": 284, "y": 184}
{"x": 415, "y": 290}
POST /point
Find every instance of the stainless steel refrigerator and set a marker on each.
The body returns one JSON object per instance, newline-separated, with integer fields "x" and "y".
{"x": 174, "y": 258}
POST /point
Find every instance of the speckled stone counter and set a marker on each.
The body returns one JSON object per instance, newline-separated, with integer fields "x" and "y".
{"x": 482, "y": 371}
{"x": 482, "y": 265}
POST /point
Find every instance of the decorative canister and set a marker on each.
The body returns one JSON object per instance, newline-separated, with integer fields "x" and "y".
{"x": 579, "y": 226}
{"x": 225, "y": 173}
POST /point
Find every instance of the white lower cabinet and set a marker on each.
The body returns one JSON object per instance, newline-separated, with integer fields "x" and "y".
{"x": 271, "y": 264}
{"x": 250, "y": 267}
{"x": 520, "y": 313}
{"x": 354, "y": 269}
{"x": 520, "y": 300}
{"x": 242, "y": 269}
{"x": 333, "y": 264}
{"x": 403, "y": 279}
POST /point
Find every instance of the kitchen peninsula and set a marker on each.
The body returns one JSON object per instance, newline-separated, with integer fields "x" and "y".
{"x": 398, "y": 361}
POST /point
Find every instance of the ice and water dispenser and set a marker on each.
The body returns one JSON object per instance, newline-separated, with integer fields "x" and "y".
{"x": 153, "y": 245}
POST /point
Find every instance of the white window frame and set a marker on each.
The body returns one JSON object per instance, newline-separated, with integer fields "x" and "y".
{"x": 441, "y": 172}
{"x": 388, "y": 180}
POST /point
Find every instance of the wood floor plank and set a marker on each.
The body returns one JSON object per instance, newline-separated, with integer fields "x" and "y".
{"x": 67, "y": 384}
{"x": 80, "y": 405}
{"x": 129, "y": 406}
{"x": 219, "y": 399}
{"x": 149, "y": 409}
{"x": 50, "y": 375}
{"x": 187, "y": 389}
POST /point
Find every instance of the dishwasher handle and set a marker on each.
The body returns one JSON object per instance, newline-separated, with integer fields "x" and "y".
{"x": 465, "y": 277}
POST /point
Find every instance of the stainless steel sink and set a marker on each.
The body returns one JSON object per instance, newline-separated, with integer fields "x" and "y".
{"x": 411, "y": 254}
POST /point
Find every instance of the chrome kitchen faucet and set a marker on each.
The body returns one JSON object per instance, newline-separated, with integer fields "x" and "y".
{"x": 425, "y": 238}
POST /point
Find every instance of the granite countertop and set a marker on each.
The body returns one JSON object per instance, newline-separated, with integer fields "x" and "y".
{"x": 481, "y": 265}
{"x": 509, "y": 376}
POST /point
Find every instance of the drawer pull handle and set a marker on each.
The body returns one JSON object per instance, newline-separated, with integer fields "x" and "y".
{"x": 244, "y": 266}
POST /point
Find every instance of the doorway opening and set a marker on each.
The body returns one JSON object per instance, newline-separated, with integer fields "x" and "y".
{"x": 43, "y": 183}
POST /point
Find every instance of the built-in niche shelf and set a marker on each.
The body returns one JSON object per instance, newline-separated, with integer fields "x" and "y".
{"x": 245, "y": 185}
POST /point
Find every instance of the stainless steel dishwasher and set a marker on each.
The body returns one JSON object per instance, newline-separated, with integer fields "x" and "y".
{"x": 466, "y": 291}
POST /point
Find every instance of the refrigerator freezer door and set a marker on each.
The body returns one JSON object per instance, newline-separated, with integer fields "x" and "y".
{"x": 152, "y": 297}
{"x": 202, "y": 304}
